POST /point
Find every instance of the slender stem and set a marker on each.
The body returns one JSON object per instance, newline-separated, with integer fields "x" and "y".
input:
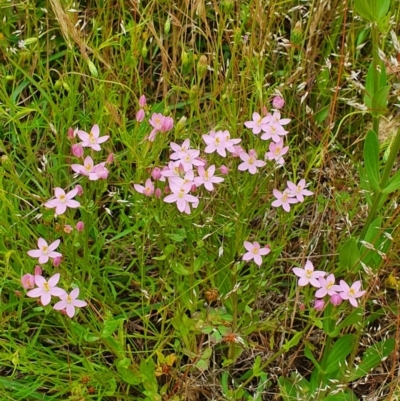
{"x": 377, "y": 74}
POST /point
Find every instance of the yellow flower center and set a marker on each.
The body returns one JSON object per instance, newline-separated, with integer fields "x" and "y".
{"x": 62, "y": 198}
{"x": 92, "y": 138}
{"x": 352, "y": 292}
{"x": 181, "y": 193}
{"x": 251, "y": 160}
{"x": 44, "y": 249}
{"x": 277, "y": 151}
{"x": 46, "y": 286}
{"x": 284, "y": 199}
{"x": 69, "y": 299}
{"x": 309, "y": 273}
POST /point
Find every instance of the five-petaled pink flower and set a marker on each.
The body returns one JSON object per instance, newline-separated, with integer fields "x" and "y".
{"x": 63, "y": 200}
{"x": 45, "y": 251}
{"x": 147, "y": 189}
{"x": 250, "y": 162}
{"x": 255, "y": 252}
{"x": 93, "y": 139}
{"x": 180, "y": 194}
{"x": 327, "y": 286}
{"x": 298, "y": 191}
{"x": 207, "y": 178}
{"x": 28, "y": 281}
{"x": 308, "y": 275}
{"x": 350, "y": 293}
{"x": 46, "y": 289}
{"x": 283, "y": 199}
{"x": 257, "y": 123}
{"x": 69, "y": 302}
{"x": 276, "y": 151}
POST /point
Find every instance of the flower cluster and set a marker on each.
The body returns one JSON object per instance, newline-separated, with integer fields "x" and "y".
{"x": 45, "y": 289}
{"x": 294, "y": 193}
{"x": 326, "y": 286}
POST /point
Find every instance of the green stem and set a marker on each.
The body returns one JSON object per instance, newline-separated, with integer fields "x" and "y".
{"x": 377, "y": 63}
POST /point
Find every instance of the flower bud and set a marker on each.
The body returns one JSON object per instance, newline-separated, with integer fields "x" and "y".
{"x": 80, "y": 189}
{"x": 142, "y": 101}
{"x": 264, "y": 111}
{"x": 180, "y": 125}
{"x": 157, "y": 193}
{"x": 167, "y": 26}
{"x": 167, "y": 190}
{"x": 140, "y": 115}
{"x": 77, "y": 150}
{"x": 202, "y": 66}
{"x": 224, "y": 170}
{"x": 18, "y": 294}
{"x": 156, "y": 174}
{"x": 57, "y": 261}
{"x": 336, "y": 299}
{"x": 278, "y": 102}
{"x": 68, "y": 229}
{"x": 28, "y": 281}
{"x": 38, "y": 270}
{"x": 92, "y": 69}
{"x": 110, "y": 158}
{"x": 80, "y": 226}
{"x": 167, "y": 124}
{"x": 193, "y": 188}
{"x": 71, "y": 133}
{"x": 319, "y": 304}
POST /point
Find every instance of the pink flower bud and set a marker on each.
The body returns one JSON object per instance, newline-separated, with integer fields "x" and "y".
{"x": 224, "y": 170}
{"x": 80, "y": 189}
{"x": 181, "y": 169}
{"x": 77, "y": 150}
{"x": 336, "y": 299}
{"x": 252, "y": 152}
{"x": 142, "y": 101}
{"x": 68, "y": 229}
{"x": 71, "y": 133}
{"x": 156, "y": 174}
{"x": 204, "y": 161}
{"x": 56, "y": 261}
{"x": 80, "y": 226}
{"x": 140, "y": 115}
{"x": 110, "y": 158}
{"x": 193, "y": 188}
{"x": 302, "y": 307}
{"x": 264, "y": 111}
{"x": 28, "y": 281}
{"x": 18, "y": 294}
{"x": 167, "y": 190}
{"x": 278, "y": 102}
{"x": 38, "y": 270}
{"x": 319, "y": 304}
{"x": 157, "y": 193}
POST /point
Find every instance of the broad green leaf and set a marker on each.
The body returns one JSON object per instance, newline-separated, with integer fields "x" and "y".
{"x": 293, "y": 341}
{"x": 371, "y": 159}
{"x": 363, "y": 8}
{"x": 340, "y": 350}
{"x": 310, "y": 356}
{"x": 365, "y": 185}
{"x": 287, "y": 389}
{"x": 393, "y": 183}
{"x": 379, "y": 8}
{"x": 110, "y": 326}
{"x": 349, "y": 255}
{"x": 355, "y": 317}
{"x": 379, "y": 101}
{"x": 128, "y": 373}
{"x": 372, "y": 358}
{"x": 180, "y": 269}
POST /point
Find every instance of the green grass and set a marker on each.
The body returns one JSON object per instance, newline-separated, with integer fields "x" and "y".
{"x": 173, "y": 312}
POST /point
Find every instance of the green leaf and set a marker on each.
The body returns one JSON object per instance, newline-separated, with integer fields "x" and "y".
{"x": 393, "y": 183}
{"x": 379, "y": 8}
{"x": 293, "y": 341}
{"x": 349, "y": 256}
{"x": 372, "y": 357}
{"x": 110, "y": 326}
{"x": 363, "y": 8}
{"x": 379, "y": 101}
{"x": 178, "y": 268}
{"x": 128, "y": 373}
{"x": 371, "y": 159}
{"x": 310, "y": 356}
{"x": 340, "y": 350}
{"x": 369, "y": 86}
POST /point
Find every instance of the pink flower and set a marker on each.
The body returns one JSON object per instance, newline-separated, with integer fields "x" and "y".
{"x": 237, "y": 150}
{"x": 63, "y": 200}
{"x": 283, "y": 199}
{"x": 28, "y": 281}
{"x": 46, "y": 289}
{"x": 167, "y": 124}
{"x": 93, "y": 139}
{"x": 350, "y": 293}
{"x": 298, "y": 191}
{"x": 278, "y": 102}
{"x": 257, "y": 123}
{"x": 147, "y": 189}
{"x": 140, "y": 115}
{"x": 69, "y": 302}
{"x": 327, "y": 286}
{"x": 273, "y": 131}
{"x": 207, "y": 178}
{"x": 45, "y": 251}
{"x": 159, "y": 123}
{"x": 215, "y": 142}
{"x": 84, "y": 169}
{"x": 308, "y": 275}
{"x": 79, "y": 189}
{"x": 180, "y": 194}
{"x": 319, "y": 304}
{"x": 156, "y": 174}
{"x": 250, "y": 162}
{"x": 255, "y": 252}
{"x": 276, "y": 151}
{"x": 276, "y": 119}
{"x": 98, "y": 172}
{"x": 156, "y": 121}
{"x": 179, "y": 150}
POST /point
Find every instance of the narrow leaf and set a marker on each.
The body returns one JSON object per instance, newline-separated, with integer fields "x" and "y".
{"x": 393, "y": 183}
{"x": 371, "y": 159}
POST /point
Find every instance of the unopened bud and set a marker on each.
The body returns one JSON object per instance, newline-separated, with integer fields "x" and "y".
{"x": 80, "y": 226}
{"x": 140, "y": 115}
{"x": 144, "y": 51}
{"x": 71, "y": 133}
{"x": 68, "y": 229}
{"x": 319, "y": 304}
{"x": 156, "y": 174}
{"x": 224, "y": 170}
{"x": 142, "y": 101}
{"x": 157, "y": 193}
{"x": 38, "y": 270}
{"x": 77, "y": 150}
{"x": 57, "y": 261}
{"x": 167, "y": 26}
{"x": 28, "y": 281}
{"x": 202, "y": 67}
{"x": 110, "y": 158}
{"x": 278, "y": 102}
{"x": 93, "y": 69}
{"x": 80, "y": 189}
